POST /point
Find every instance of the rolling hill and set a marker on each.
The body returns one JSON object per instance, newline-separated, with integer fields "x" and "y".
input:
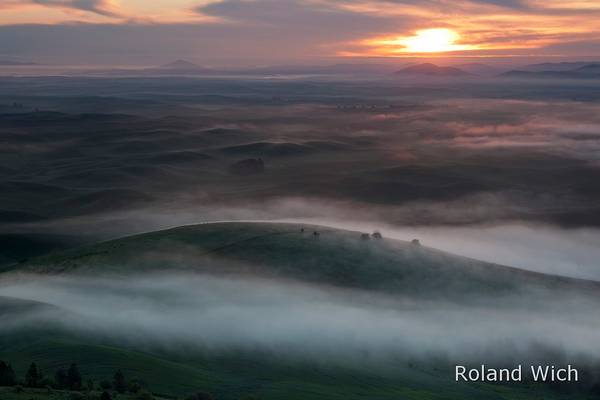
{"x": 292, "y": 251}
{"x": 307, "y": 253}
{"x": 233, "y": 375}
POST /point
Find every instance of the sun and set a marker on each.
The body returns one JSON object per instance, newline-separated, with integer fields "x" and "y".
{"x": 430, "y": 41}
{"x": 435, "y": 40}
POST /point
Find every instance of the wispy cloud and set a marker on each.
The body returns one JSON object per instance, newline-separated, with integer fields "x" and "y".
{"x": 102, "y": 7}
{"x": 309, "y": 29}
{"x": 107, "y": 8}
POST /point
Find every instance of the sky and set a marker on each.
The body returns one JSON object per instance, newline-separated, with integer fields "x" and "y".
{"x": 261, "y": 32}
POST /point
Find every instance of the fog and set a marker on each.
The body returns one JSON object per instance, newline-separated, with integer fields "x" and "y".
{"x": 203, "y": 313}
{"x": 500, "y": 171}
{"x": 447, "y": 153}
{"x": 540, "y": 247}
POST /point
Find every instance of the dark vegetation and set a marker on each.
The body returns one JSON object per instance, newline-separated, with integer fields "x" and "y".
{"x": 327, "y": 256}
{"x": 68, "y": 383}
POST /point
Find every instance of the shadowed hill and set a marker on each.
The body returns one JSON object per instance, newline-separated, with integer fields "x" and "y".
{"x": 11, "y": 307}
{"x": 332, "y": 257}
{"x": 232, "y": 375}
{"x": 20, "y": 247}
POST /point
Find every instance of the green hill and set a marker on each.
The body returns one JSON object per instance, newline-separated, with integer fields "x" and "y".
{"x": 333, "y": 257}
{"x": 234, "y": 375}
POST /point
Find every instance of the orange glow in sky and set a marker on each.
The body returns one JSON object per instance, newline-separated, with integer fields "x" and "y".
{"x": 435, "y": 40}
{"x": 305, "y": 29}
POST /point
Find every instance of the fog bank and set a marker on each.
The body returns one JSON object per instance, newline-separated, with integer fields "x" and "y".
{"x": 319, "y": 324}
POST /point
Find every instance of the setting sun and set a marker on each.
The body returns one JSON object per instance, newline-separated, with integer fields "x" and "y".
{"x": 431, "y": 40}
{"x": 434, "y": 40}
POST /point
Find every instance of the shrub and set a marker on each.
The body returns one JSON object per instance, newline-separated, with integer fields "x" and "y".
{"x": 106, "y": 385}
{"x": 45, "y": 382}
{"x": 119, "y": 382}
{"x": 73, "y": 377}
{"x": 144, "y": 395}
{"x": 201, "y": 396}
{"x": 134, "y": 387}
{"x": 77, "y": 396}
{"x": 60, "y": 378}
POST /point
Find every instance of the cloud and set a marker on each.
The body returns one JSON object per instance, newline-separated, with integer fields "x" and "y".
{"x": 102, "y": 7}
{"x": 302, "y": 17}
{"x": 106, "y": 8}
{"x": 258, "y": 32}
{"x": 518, "y": 4}
{"x": 349, "y": 328}
{"x": 291, "y": 30}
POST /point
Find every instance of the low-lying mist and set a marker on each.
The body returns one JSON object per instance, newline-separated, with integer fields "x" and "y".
{"x": 209, "y": 314}
{"x": 535, "y": 247}
{"x": 540, "y": 247}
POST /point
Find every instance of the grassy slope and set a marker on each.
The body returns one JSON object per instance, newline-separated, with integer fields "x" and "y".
{"x": 20, "y": 247}
{"x": 228, "y": 376}
{"x": 335, "y": 257}
{"x": 237, "y": 376}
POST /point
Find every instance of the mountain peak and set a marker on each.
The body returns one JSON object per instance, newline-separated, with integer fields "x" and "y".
{"x": 180, "y": 64}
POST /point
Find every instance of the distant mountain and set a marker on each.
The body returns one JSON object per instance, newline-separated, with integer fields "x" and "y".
{"x": 586, "y": 71}
{"x": 589, "y": 69}
{"x": 553, "y": 67}
{"x": 428, "y": 69}
{"x": 180, "y": 64}
{"x": 479, "y": 69}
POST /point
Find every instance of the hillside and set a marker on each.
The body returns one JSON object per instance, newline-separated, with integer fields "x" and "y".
{"x": 9, "y": 393}
{"x": 231, "y": 375}
{"x": 235, "y": 375}
{"x": 334, "y": 257}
